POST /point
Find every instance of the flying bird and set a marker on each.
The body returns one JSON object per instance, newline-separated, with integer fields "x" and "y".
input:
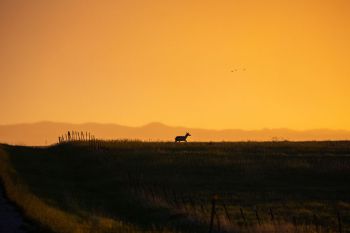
{"x": 236, "y": 70}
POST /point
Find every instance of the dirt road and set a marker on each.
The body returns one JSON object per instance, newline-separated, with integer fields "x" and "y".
{"x": 11, "y": 220}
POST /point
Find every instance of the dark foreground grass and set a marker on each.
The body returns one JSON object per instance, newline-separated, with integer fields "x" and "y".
{"x": 126, "y": 186}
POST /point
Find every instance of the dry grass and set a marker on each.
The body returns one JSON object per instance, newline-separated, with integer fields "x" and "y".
{"x": 128, "y": 186}
{"x": 54, "y": 219}
{"x": 226, "y": 225}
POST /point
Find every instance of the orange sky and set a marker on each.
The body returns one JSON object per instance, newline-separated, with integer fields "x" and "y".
{"x": 133, "y": 62}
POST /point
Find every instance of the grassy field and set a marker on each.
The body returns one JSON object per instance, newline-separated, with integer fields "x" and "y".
{"x": 126, "y": 186}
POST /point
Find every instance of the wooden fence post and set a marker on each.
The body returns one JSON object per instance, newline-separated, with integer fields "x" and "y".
{"x": 213, "y": 203}
{"x": 227, "y": 214}
{"x": 295, "y": 223}
{"x": 271, "y": 214}
{"x": 175, "y": 199}
{"x": 339, "y": 222}
{"x": 243, "y": 217}
{"x": 218, "y": 221}
{"x": 257, "y": 215}
{"x": 315, "y": 220}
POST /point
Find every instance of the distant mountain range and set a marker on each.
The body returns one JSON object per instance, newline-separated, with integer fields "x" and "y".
{"x": 45, "y": 133}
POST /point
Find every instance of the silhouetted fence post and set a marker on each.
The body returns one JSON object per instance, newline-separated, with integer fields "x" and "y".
{"x": 202, "y": 208}
{"x": 152, "y": 194}
{"x": 184, "y": 203}
{"x": 218, "y": 221}
{"x": 243, "y": 216}
{"x": 213, "y": 203}
{"x": 339, "y": 222}
{"x": 226, "y": 212}
{"x": 295, "y": 223}
{"x": 165, "y": 194}
{"x": 175, "y": 198}
{"x": 271, "y": 214}
{"x": 257, "y": 215}
{"x": 192, "y": 203}
{"x": 315, "y": 220}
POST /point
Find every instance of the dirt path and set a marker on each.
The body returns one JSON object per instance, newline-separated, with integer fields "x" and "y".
{"x": 11, "y": 220}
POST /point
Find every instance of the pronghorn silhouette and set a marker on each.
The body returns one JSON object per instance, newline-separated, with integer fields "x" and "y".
{"x": 182, "y": 138}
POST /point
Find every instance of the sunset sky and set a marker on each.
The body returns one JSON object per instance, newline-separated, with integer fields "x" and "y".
{"x": 246, "y": 64}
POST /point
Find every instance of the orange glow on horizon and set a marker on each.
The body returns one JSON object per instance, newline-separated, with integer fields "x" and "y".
{"x": 245, "y": 64}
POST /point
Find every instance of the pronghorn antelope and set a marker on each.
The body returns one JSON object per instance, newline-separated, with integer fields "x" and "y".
{"x": 182, "y": 138}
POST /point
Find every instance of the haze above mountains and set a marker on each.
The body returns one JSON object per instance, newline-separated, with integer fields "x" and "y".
{"x": 45, "y": 133}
